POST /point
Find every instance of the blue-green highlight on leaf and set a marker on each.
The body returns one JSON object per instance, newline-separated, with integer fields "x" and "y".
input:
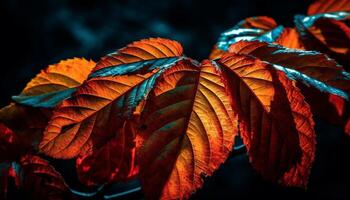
{"x": 135, "y": 66}
{"x": 235, "y": 34}
{"x": 128, "y": 102}
{"x": 308, "y": 21}
{"x": 295, "y": 75}
{"x": 47, "y": 100}
{"x": 303, "y": 22}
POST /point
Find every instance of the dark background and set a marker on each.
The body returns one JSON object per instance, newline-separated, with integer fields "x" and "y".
{"x": 38, "y": 33}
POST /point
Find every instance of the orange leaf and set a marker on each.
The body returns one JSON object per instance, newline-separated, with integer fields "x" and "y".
{"x": 324, "y": 6}
{"x": 331, "y": 37}
{"x": 313, "y": 64}
{"x": 55, "y": 83}
{"x": 327, "y": 102}
{"x": 275, "y": 122}
{"x": 187, "y": 130}
{"x": 147, "y": 49}
{"x": 100, "y": 106}
{"x": 66, "y": 74}
{"x": 29, "y": 123}
{"x": 290, "y": 38}
{"x": 259, "y": 22}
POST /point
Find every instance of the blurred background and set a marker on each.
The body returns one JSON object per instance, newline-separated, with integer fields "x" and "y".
{"x": 38, "y": 33}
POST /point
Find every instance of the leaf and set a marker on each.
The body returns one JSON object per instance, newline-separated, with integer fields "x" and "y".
{"x": 259, "y": 22}
{"x": 290, "y": 39}
{"x": 327, "y": 34}
{"x": 325, "y": 6}
{"x": 10, "y": 146}
{"x": 48, "y": 88}
{"x": 216, "y": 53}
{"x": 329, "y": 107}
{"x": 254, "y": 28}
{"x": 187, "y": 130}
{"x": 113, "y": 161}
{"x": 275, "y": 122}
{"x": 56, "y": 83}
{"x": 101, "y": 105}
{"x": 331, "y": 99}
{"x": 133, "y": 56}
{"x": 40, "y": 180}
{"x": 309, "y": 67}
{"x": 26, "y": 122}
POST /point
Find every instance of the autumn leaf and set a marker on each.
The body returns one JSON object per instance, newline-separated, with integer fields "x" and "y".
{"x": 290, "y": 38}
{"x": 9, "y": 145}
{"x": 112, "y": 162}
{"x": 187, "y": 128}
{"x": 26, "y": 122}
{"x": 325, "y": 6}
{"x": 153, "y": 51}
{"x": 260, "y": 28}
{"x": 330, "y": 100}
{"x": 40, "y": 180}
{"x": 100, "y": 106}
{"x": 147, "y": 111}
{"x": 56, "y": 83}
{"x": 48, "y": 88}
{"x": 275, "y": 122}
{"x": 310, "y": 64}
{"x": 324, "y": 29}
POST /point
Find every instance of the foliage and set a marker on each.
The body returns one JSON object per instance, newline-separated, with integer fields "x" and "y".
{"x": 148, "y": 111}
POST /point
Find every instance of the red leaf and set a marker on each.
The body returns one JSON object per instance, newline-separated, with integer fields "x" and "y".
{"x": 40, "y": 180}
{"x": 324, "y": 6}
{"x": 27, "y": 123}
{"x": 113, "y": 161}
{"x": 275, "y": 122}
{"x": 10, "y": 145}
{"x": 331, "y": 37}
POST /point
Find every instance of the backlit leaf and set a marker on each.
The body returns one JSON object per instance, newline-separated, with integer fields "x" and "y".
{"x": 187, "y": 130}
{"x": 309, "y": 67}
{"x": 255, "y": 28}
{"x": 100, "y": 106}
{"x": 325, "y": 6}
{"x": 113, "y": 161}
{"x": 327, "y": 34}
{"x": 331, "y": 99}
{"x": 153, "y": 51}
{"x": 290, "y": 39}
{"x": 275, "y": 122}
{"x": 56, "y": 83}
